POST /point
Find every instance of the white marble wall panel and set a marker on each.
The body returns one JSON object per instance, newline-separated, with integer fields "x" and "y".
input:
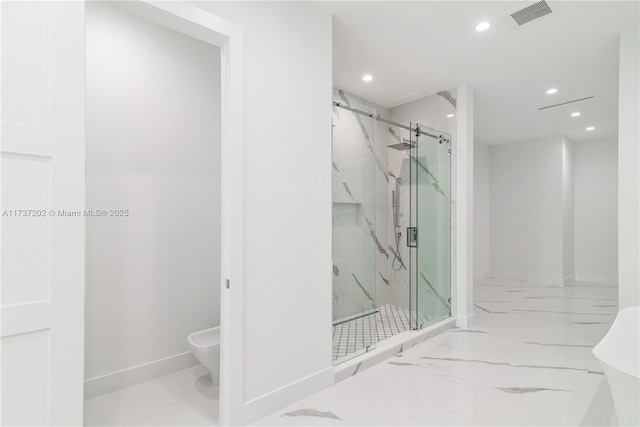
{"x": 398, "y": 251}
{"x": 359, "y": 212}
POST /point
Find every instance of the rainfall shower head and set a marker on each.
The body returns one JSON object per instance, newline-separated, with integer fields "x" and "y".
{"x": 404, "y": 145}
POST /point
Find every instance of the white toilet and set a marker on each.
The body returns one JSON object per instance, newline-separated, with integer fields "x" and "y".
{"x": 205, "y": 346}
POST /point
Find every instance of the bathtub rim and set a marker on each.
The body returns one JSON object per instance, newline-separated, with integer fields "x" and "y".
{"x": 598, "y": 349}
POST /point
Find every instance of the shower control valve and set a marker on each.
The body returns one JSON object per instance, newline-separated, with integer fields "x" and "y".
{"x": 412, "y": 237}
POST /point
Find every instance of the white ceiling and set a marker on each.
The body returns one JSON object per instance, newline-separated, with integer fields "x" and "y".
{"x": 414, "y": 49}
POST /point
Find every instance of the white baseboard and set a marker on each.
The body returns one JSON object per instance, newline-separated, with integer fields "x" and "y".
{"x": 98, "y": 386}
{"x": 269, "y": 403}
{"x": 465, "y": 322}
{"x": 597, "y": 278}
{"x": 527, "y": 278}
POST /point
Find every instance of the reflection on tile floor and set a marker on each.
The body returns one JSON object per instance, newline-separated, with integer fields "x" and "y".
{"x": 184, "y": 398}
{"x": 358, "y": 333}
{"x": 526, "y": 361}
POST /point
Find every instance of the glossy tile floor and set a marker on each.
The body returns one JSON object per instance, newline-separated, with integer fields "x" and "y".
{"x": 526, "y": 361}
{"x": 184, "y": 398}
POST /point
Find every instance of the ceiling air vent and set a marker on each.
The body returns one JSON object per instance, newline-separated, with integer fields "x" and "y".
{"x": 526, "y": 13}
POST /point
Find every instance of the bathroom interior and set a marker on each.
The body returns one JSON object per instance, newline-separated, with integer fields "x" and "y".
{"x": 393, "y": 219}
{"x": 375, "y": 271}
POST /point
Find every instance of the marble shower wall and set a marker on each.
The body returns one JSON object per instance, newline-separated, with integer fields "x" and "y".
{"x": 360, "y": 209}
{"x": 430, "y": 111}
{"x": 399, "y": 252}
{"x": 366, "y": 272}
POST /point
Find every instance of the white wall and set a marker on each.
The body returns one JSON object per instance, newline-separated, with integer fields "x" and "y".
{"x": 596, "y": 211}
{"x": 153, "y": 147}
{"x": 287, "y": 285}
{"x": 526, "y": 237}
{"x": 568, "y": 212}
{"x": 629, "y": 169}
{"x": 462, "y": 172}
{"x": 553, "y": 210}
{"x": 429, "y": 111}
{"x": 481, "y": 210}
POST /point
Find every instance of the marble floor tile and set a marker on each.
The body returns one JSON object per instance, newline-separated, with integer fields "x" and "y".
{"x": 93, "y": 413}
{"x": 184, "y": 398}
{"x": 526, "y": 361}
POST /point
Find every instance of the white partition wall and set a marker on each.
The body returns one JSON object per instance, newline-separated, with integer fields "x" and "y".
{"x": 596, "y": 211}
{"x": 532, "y": 211}
{"x": 628, "y": 173}
{"x": 42, "y": 170}
{"x": 568, "y": 213}
{"x": 463, "y": 292}
{"x": 526, "y": 210}
{"x": 481, "y": 210}
{"x": 287, "y": 222}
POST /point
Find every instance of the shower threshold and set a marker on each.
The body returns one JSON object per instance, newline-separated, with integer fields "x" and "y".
{"x": 391, "y": 346}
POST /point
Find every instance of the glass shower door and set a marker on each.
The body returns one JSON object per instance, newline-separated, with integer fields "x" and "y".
{"x": 354, "y": 242}
{"x": 429, "y": 234}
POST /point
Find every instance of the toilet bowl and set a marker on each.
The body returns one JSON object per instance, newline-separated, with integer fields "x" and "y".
{"x": 205, "y": 346}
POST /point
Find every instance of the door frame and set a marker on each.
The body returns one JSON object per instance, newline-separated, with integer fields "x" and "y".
{"x": 202, "y": 25}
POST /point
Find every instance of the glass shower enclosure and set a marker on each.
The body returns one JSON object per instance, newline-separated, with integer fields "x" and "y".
{"x": 354, "y": 244}
{"x": 429, "y": 232}
{"x": 383, "y": 284}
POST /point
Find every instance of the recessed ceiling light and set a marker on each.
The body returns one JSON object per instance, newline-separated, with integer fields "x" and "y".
{"x": 590, "y": 128}
{"x": 367, "y": 78}
{"x": 482, "y": 26}
{"x": 449, "y": 115}
{"x": 552, "y": 91}
{"x": 576, "y": 114}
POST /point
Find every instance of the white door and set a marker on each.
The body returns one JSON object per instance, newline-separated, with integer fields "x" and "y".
{"x": 42, "y": 172}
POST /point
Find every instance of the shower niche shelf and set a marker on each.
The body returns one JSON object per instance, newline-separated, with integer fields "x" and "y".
{"x": 346, "y": 214}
